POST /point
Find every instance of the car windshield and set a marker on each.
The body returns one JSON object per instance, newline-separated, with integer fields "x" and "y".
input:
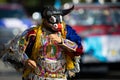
{"x": 93, "y": 17}
{"x": 9, "y": 13}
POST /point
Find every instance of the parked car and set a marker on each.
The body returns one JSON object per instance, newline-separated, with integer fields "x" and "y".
{"x": 13, "y": 20}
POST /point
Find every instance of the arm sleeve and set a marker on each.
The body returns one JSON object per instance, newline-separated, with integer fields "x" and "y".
{"x": 73, "y": 36}
{"x": 27, "y": 44}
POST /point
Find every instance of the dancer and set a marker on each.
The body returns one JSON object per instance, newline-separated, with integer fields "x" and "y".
{"x": 50, "y": 51}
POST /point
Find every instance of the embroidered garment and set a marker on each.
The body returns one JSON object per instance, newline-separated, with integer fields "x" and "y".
{"x": 53, "y": 61}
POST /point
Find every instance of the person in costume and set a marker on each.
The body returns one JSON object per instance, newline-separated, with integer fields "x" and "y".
{"x": 50, "y": 51}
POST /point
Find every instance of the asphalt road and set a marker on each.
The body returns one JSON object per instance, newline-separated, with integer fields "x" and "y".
{"x": 8, "y": 73}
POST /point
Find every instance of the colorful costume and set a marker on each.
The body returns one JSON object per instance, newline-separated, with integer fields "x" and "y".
{"x": 54, "y": 60}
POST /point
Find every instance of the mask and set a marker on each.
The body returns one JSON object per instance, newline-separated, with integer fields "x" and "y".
{"x": 54, "y": 17}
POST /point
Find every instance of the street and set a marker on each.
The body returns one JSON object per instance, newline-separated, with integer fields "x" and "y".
{"x": 8, "y": 73}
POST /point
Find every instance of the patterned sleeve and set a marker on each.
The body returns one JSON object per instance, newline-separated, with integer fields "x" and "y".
{"x": 26, "y": 43}
{"x": 17, "y": 50}
{"x": 73, "y": 36}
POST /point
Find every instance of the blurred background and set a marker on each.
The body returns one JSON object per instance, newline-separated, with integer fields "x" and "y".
{"x": 96, "y": 21}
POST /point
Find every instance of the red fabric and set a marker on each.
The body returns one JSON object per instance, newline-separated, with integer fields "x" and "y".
{"x": 79, "y": 51}
{"x": 32, "y": 32}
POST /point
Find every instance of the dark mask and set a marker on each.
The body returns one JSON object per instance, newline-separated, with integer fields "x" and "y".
{"x": 54, "y": 17}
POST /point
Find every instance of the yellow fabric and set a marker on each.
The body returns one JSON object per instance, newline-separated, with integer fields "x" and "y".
{"x": 26, "y": 72}
{"x": 69, "y": 64}
{"x": 35, "y": 49}
{"x": 37, "y": 44}
{"x": 63, "y": 31}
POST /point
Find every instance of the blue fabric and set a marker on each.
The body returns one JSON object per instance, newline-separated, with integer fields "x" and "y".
{"x": 73, "y": 36}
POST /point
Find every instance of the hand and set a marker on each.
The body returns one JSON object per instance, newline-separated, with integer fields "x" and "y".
{"x": 71, "y": 74}
{"x": 31, "y": 63}
{"x": 55, "y": 37}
